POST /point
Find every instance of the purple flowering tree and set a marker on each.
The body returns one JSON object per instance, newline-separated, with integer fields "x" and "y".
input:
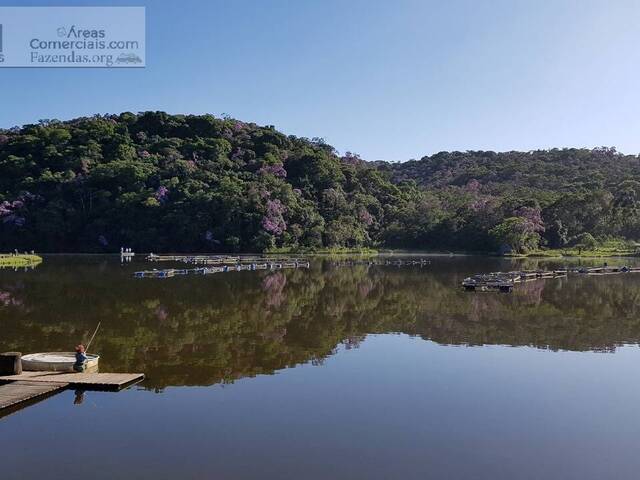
{"x": 273, "y": 222}
{"x": 276, "y": 170}
{"x": 365, "y": 217}
{"x": 161, "y": 194}
{"x": 14, "y": 213}
{"x": 473, "y": 186}
{"x": 533, "y": 222}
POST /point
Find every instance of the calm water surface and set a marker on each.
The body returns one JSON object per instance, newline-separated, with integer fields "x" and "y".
{"x": 365, "y": 372}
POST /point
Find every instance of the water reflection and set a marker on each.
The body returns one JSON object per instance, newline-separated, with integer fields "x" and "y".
{"x": 78, "y": 398}
{"x": 215, "y": 329}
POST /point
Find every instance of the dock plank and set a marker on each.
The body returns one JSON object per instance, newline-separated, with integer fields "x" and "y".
{"x": 18, "y": 392}
{"x": 101, "y": 381}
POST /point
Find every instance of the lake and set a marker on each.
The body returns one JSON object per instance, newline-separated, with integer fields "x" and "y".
{"x": 331, "y": 372}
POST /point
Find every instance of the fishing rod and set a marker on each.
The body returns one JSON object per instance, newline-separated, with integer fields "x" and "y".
{"x": 92, "y": 337}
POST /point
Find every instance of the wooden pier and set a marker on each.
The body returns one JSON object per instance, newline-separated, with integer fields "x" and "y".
{"x": 29, "y": 387}
{"x": 86, "y": 381}
{"x": 19, "y": 392}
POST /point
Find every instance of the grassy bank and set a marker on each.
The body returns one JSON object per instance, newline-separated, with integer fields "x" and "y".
{"x": 613, "y": 248}
{"x": 11, "y": 260}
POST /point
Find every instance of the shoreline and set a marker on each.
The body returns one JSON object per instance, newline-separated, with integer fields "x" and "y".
{"x": 6, "y": 259}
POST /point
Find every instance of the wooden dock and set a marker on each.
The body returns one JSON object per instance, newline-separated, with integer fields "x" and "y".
{"x": 18, "y": 392}
{"x": 85, "y": 381}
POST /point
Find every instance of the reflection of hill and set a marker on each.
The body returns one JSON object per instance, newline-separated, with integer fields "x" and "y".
{"x": 216, "y": 329}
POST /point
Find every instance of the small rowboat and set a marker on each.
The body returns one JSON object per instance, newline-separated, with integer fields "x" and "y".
{"x": 57, "y": 362}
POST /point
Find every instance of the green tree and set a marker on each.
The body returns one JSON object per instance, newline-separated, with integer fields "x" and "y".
{"x": 585, "y": 241}
{"x": 514, "y": 233}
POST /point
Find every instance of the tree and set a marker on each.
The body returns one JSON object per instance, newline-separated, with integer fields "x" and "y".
{"x": 585, "y": 241}
{"x": 515, "y": 233}
{"x": 159, "y": 182}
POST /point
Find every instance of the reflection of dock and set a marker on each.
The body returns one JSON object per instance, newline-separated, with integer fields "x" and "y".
{"x": 505, "y": 281}
{"x": 126, "y": 255}
{"x": 26, "y": 388}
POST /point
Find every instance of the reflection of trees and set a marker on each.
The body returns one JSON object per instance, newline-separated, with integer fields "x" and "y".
{"x": 204, "y": 330}
{"x": 10, "y": 295}
{"x": 273, "y": 286}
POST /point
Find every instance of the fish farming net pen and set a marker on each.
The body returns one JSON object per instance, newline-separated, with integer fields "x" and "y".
{"x": 506, "y": 281}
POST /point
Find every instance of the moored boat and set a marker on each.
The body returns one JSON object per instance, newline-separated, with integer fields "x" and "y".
{"x": 57, "y": 362}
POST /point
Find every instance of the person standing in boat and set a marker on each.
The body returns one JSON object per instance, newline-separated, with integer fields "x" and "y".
{"x": 81, "y": 359}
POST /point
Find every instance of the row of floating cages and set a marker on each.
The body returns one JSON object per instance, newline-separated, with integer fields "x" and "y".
{"x": 172, "y": 272}
{"x": 504, "y": 281}
{"x": 220, "y": 259}
{"x": 386, "y": 262}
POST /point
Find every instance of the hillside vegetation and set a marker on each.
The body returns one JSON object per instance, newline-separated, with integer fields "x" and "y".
{"x": 159, "y": 182}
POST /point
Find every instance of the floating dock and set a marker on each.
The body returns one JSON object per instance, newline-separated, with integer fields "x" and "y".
{"x": 210, "y": 259}
{"x": 386, "y": 262}
{"x": 505, "y": 281}
{"x": 172, "y": 272}
{"x": 220, "y": 259}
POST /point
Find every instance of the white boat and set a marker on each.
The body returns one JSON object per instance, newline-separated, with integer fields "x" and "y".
{"x": 57, "y": 362}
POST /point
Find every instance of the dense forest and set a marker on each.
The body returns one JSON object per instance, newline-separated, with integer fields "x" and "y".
{"x": 159, "y": 182}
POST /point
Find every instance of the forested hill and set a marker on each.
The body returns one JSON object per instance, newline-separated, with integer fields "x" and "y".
{"x": 560, "y": 170}
{"x": 159, "y": 182}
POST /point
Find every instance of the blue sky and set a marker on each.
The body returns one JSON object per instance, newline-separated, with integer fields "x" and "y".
{"x": 389, "y": 80}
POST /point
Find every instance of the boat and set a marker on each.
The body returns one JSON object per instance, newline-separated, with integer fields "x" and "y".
{"x": 57, "y": 362}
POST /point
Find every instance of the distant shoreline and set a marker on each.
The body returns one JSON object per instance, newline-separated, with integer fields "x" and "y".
{"x": 6, "y": 259}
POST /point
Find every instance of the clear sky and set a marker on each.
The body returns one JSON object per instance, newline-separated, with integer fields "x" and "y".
{"x": 389, "y": 80}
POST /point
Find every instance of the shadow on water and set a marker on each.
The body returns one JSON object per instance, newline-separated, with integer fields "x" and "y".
{"x": 219, "y": 328}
